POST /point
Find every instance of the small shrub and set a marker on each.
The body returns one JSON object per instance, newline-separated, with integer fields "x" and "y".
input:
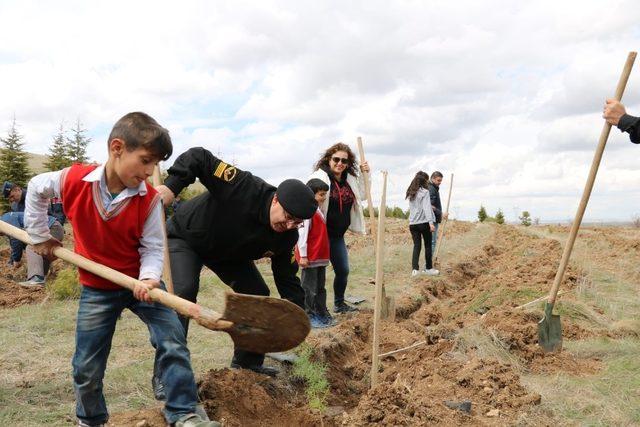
{"x": 635, "y": 221}
{"x": 314, "y": 376}
{"x": 500, "y": 217}
{"x": 66, "y": 285}
{"x": 525, "y": 218}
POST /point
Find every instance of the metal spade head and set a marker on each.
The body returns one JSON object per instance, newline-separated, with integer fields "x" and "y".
{"x": 265, "y": 324}
{"x": 550, "y": 330}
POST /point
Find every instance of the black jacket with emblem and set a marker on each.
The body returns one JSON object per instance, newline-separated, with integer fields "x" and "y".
{"x": 230, "y": 222}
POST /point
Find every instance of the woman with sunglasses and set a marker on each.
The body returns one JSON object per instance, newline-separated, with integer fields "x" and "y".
{"x": 337, "y": 167}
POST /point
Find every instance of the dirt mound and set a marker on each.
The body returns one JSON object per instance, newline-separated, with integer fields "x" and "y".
{"x": 241, "y": 397}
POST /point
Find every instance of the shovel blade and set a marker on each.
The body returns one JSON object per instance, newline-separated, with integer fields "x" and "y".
{"x": 265, "y": 324}
{"x": 550, "y": 331}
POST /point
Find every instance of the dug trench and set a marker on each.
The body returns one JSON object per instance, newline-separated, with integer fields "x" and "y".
{"x": 476, "y": 346}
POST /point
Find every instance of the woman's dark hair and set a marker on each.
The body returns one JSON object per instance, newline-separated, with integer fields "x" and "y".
{"x": 323, "y": 163}
{"x": 421, "y": 180}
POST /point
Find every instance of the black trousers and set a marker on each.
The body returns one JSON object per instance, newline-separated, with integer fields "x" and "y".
{"x": 421, "y": 233}
{"x": 315, "y": 292}
{"x": 242, "y": 277}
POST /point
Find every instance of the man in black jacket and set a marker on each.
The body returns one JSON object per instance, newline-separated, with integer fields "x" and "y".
{"x": 239, "y": 219}
{"x": 436, "y": 204}
{"x": 616, "y": 114}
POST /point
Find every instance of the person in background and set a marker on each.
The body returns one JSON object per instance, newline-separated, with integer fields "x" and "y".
{"x": 337, "y": 167}
{"x": 37, "y": 266}
{"x": 15, "y": 195}
{"x": 436, "y": 204}
{"x": 421, "y": 222}
{"x": 312, "y": 254}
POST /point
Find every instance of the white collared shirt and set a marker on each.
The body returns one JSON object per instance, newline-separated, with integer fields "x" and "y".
{"x": 45, "y": 186}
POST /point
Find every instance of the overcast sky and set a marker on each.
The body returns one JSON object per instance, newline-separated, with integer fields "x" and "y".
{"x": 506, "y": 95}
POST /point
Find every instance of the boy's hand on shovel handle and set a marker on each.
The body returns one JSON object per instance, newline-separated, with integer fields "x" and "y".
{"x": 142, "y": 292}
{"x": 45, "y": 249}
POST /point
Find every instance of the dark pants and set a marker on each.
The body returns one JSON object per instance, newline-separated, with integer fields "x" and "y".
{"x": 420, "y": 233}
{"x": 98, "y": 312}
{"x": 315, "y": 293}
{"x": 340, "y": 262}
{"x": 242, "y": 276}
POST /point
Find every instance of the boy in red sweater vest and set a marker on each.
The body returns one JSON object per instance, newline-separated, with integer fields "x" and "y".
{"x": 116, "y": 219}
{"x": 312, "y": 254}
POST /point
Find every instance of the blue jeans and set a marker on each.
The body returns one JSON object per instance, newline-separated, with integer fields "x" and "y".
{"x": 434, "y": 239}
{"x": 97, "y": 315}
{"x": 339, "y": 258}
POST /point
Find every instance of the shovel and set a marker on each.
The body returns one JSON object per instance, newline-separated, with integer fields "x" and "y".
{"x": 255, "y": 323}
{"x": 156, "y": 179}
{"x": 550, "y": 328}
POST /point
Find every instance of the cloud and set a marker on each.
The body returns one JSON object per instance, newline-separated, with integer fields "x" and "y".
{"x": 505, "y": 95}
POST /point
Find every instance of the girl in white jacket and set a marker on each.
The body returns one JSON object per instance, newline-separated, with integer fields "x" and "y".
{"x": 421, "y": 222}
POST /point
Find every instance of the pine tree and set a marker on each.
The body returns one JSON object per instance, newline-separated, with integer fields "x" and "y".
{"x": 77, "y": 145}
{"x": 14, "y": 164}
{"x": 500, "y": 217}
{"x": 482, "y": 214}
{"x": 58, "y": 157}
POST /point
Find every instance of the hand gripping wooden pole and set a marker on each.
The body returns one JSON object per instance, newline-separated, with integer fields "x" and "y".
{"x": 367, "y": 189}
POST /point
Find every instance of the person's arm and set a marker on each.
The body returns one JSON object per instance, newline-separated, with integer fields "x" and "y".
{"x": 616, "y": 114}
{"x": 303, "y": 235}
{"x": 428, "y": 210}
{"x": 199, "y": 163}
{"x": 152, "y": 246}
{"x": 433, "y": 196}
{"x": 41, "y": 188}
{"x": 285, "y": 269}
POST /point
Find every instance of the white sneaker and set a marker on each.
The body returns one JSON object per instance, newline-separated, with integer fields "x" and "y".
{"x": 431, "y": 272}
{"x": 414, "y": 273}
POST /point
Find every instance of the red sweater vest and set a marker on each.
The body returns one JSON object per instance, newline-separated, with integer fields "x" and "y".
{"x": 112, "y": 240}
{"x": 317, "y": 242}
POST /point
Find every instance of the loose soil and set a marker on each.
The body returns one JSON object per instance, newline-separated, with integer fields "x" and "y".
{"x": 476, "y": 346}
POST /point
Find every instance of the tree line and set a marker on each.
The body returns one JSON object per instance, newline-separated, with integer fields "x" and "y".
{"x": 66, "y": 147}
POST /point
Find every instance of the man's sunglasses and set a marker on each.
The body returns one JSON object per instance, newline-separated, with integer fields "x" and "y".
{"x": 343, "y": 160}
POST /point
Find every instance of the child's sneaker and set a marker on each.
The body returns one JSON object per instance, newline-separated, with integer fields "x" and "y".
{"x": 317, "y": 322}
{"x": 33, "y": 282}
{"x": 432, "y": 272}
{"x": 414, "y": 273}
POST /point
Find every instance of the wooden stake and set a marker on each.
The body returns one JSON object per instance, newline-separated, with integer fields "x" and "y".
{"x": 375, "y": 365}
{"x": 400, "y": 350}
{"x": 444, "y": 224}
{"x": 367, "y": 189}
{"x": 166, "y": 270}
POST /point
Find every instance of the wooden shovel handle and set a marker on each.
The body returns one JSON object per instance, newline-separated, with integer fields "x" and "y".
{"x": 367, "y": 188}
{"x": 166, "y": 270}
{"x": 604, "y": 135}
{"x": 205, "y": 317}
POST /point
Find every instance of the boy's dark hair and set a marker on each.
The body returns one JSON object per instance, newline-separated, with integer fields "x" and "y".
{"x": 436, "y": 174}
{"x": 141, "y": 130}
{"x": 317, "y": 185}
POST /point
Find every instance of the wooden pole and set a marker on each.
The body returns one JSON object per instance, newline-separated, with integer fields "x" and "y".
{"x": 595, "y": 164}
{"x": 375, "y": 365}
{"x": 166, "y": 270}
{"x": 444, "y": 224}
{"x": 367, "y": 189}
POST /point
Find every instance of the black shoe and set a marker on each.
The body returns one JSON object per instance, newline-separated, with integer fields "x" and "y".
{"x": 158, "y": 389}
{"x": 343, "y": 307}
{"x": 265, "y": 370}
